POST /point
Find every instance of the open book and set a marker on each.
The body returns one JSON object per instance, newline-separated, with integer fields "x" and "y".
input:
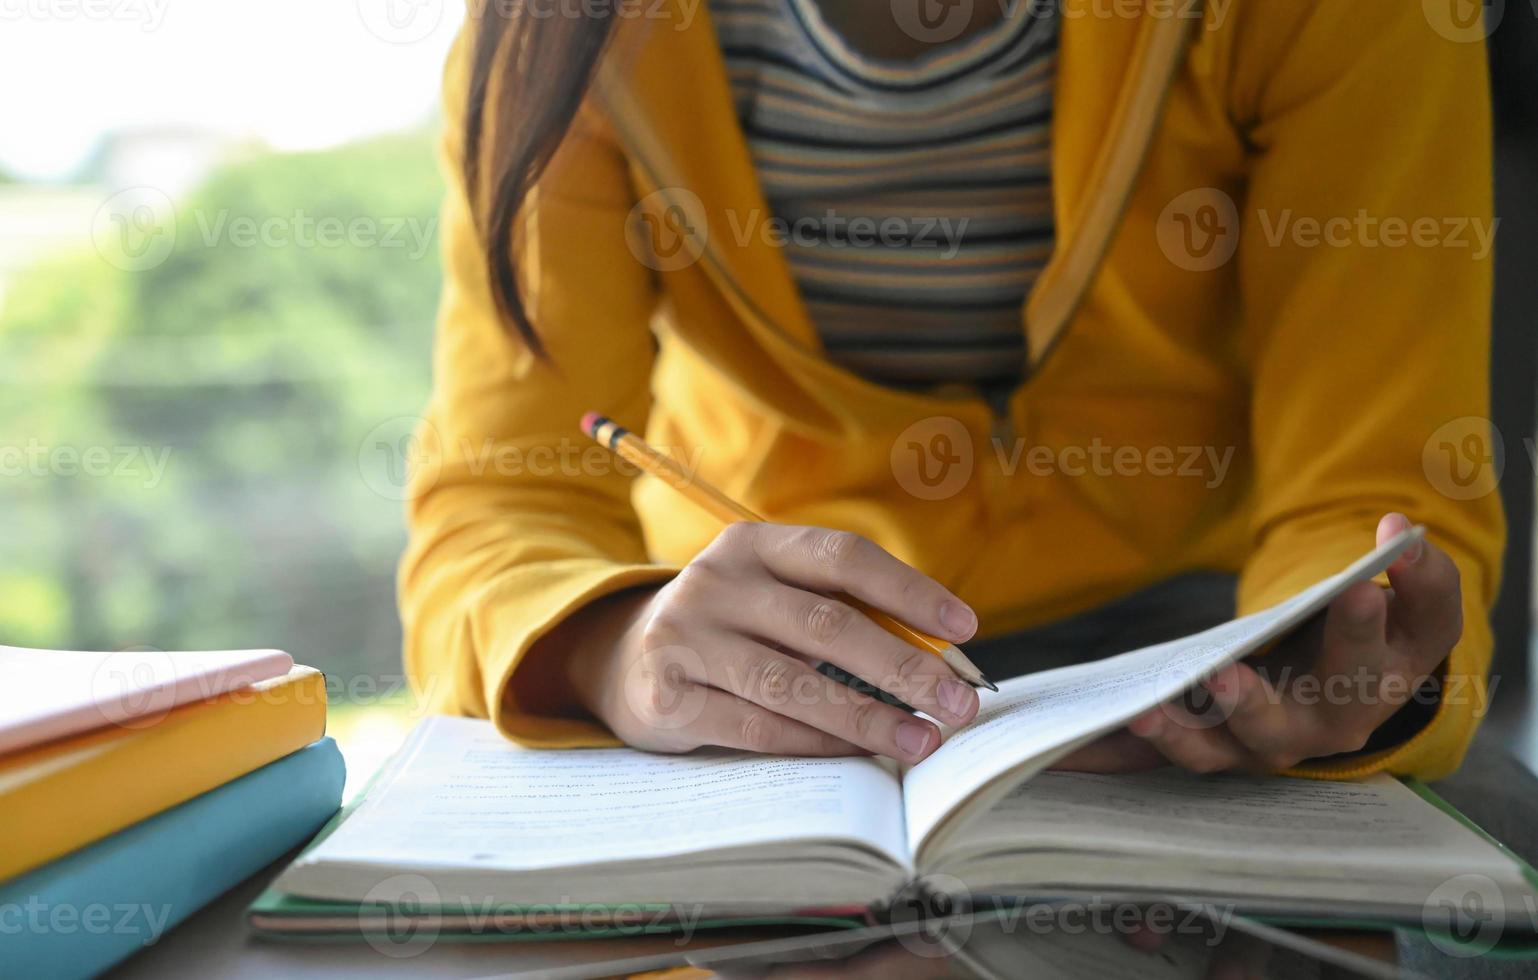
{"x": 474, "y": 821}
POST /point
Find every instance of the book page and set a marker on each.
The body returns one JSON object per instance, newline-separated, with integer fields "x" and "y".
{"x": 1036, "y": 719}
{"x": 1374, "y": 821}
{"x": 460, "y": 795}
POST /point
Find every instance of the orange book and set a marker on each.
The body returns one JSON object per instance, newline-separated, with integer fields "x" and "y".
{"x": 68, "y": 793}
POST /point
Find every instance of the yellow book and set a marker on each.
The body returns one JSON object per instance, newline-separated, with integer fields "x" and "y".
{"x": 65, "y": 794}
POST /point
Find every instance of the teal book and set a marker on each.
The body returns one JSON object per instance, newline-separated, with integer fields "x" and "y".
{"x": 86, "y": 911}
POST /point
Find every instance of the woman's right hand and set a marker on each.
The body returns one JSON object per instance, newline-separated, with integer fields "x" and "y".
{"x": 724, "y": 654}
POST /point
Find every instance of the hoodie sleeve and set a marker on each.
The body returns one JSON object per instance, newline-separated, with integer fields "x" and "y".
{"x": 516, "y": 519}
{"x": 1365, "y": 279}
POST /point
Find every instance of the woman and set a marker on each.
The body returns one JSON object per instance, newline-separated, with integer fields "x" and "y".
{"x": 1070, "y": 328}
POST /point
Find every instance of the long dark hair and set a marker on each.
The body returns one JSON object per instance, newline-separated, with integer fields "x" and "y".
{"x": 528, "y": 76}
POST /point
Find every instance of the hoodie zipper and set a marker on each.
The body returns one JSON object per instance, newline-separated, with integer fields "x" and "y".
{"x": 1001, "y": 427}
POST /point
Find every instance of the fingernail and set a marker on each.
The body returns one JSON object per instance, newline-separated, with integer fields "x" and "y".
{"x": 1147, "y": 726}
{"x": 1402, "y": 523}
{"x": 913, "y": 739}
{"x": 960, "y": 621}
{"x": 958, "y": 700}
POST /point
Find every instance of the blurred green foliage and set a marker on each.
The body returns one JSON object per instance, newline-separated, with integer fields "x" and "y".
{"x": 180, "y": 444}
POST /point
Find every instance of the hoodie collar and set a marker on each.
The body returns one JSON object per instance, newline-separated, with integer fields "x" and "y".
{"x": 666, "y": 90}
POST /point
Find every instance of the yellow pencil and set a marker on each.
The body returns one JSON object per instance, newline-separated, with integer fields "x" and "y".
{"x": 633, "y": 449}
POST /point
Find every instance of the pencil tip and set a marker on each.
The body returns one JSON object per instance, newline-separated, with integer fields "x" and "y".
{"x": 989, "y": 684}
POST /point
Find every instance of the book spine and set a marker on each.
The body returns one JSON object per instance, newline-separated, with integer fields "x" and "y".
{"x": 85, "y": 912}
{"x": 129, "y": 773}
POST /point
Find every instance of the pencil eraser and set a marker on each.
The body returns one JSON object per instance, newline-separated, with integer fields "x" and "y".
{"x": 591, "y": 421}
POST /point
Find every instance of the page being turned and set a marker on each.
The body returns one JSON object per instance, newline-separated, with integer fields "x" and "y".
{"x": 1036, "y": 719}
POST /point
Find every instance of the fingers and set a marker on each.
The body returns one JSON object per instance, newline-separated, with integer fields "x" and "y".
{"x": 795, "y": 614}
{"x": 1370, "y": 654}
{"x": 826, "y": 629}
{"x": 1332, "y": 708}
{"x": 821, "y": 560}
{"x": 1357, "y": 620}
{"x": 1120, "y": 751}
{"x": 1426, "y": 618}
{"x": 730, "y": 722}
{"x": 724, "y": 613}
{"x": 1258, "y": 717}
{"x": 788, "y": 687}
{"x": 1362, "y": 678}
{"x": 1354, "y": 655}
{"x": 1274, "y": 728}
{"x": 1190, "y": 742}
{"x": 728, "y": 624}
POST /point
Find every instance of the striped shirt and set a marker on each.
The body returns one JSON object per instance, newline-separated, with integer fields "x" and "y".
{"x": 913, "y": 198}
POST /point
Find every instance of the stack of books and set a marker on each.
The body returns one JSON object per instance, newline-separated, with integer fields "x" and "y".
{"x": 137, "y": 786}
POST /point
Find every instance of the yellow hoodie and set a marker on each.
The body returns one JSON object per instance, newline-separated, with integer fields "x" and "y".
{"x": 1269, "y": 300}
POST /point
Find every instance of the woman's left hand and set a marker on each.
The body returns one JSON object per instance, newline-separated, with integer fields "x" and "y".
{"x": 1322, "y": 692}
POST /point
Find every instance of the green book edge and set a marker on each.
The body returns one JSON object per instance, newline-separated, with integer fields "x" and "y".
{"x": 1520, "y": 947}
